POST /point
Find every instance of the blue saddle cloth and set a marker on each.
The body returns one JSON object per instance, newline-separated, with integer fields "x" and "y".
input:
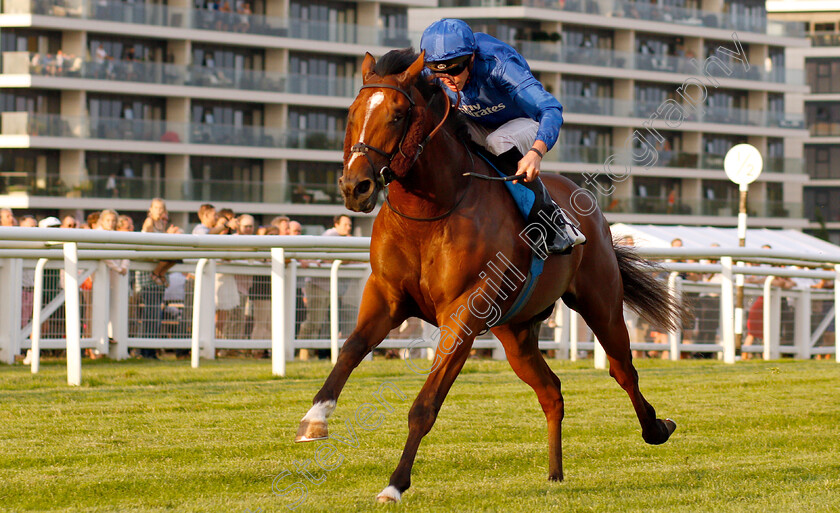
{"x": 524, "y": 199}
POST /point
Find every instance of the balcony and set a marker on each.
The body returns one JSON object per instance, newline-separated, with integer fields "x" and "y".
{"x": 50, "y": 125}
{"x": 825, "y": 39}
{"x": 665, "y": 158}
{"x": 558, "y": 53}
{"x": 825, "y": 128}
{"x": 201, "y": 19}
{"x": 172, "y": 74}
{"x": 716, "y": 208}
{"x": 650, "y": 12}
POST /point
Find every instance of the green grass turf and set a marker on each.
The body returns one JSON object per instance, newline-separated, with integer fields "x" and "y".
{"x": 143, "y": 436}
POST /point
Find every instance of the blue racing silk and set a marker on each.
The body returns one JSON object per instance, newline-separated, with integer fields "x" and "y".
{"x": 501, "y": 87}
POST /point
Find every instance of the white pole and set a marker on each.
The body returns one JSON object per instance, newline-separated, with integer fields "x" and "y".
{"x": 727, "y": 312}
{"x": 73, "y": 323}
{"x": 599, "y": 355}
{"x": 334, "y": 310}
{"x": 100, "y": 309}
{"x": 771, "y": 338}
{"x": 37, "y": 304}
{"x": 675, "y": 337}
{"x": 197, "y": 305}
{"x": 278, "y": 312}
{"x": 573, "y": 336}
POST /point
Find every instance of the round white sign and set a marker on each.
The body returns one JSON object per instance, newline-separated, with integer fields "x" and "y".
{"x": 743, "y": 163}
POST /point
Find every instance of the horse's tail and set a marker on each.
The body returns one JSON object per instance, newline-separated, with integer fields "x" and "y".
{"x": 646, "y": 295}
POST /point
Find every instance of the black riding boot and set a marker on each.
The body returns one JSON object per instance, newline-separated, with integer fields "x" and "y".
{"x": 561, "y": 235}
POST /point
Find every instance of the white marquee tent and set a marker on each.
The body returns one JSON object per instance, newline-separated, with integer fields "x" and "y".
{"x": 660, "y": 236}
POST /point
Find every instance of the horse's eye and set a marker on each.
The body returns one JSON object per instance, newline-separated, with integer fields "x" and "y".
{"x": 398, "y": 117}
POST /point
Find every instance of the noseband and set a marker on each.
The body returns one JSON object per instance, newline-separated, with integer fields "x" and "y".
{"x": 386, "y": 174}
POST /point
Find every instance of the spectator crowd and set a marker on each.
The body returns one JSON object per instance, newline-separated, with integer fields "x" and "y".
{"x": 160, "y": 300}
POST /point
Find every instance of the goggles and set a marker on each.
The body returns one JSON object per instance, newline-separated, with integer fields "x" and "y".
{"x": 452, "y": 67}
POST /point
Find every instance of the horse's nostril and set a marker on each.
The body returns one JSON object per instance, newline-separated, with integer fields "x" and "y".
{"x": 363, "y": 187}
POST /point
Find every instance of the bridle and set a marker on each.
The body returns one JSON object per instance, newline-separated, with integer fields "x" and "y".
{"x": 386, "y": 175}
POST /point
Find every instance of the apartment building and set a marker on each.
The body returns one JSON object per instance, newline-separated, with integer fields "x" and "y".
{"x": 820, "y": 21}
{"x": 243, "y": 103}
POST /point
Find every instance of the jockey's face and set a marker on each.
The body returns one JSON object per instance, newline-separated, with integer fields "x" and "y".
{"x": 456, "y": 82}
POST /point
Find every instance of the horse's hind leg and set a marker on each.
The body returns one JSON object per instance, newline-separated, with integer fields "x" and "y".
{"x": 522, "y": 351}
{"x": 604, "y": 314}
{"x": 373, "y": 326}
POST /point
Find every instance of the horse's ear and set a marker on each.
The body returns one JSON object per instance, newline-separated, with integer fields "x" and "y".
{"x": 410, "y": 75}
{"x": 367, "y": 67}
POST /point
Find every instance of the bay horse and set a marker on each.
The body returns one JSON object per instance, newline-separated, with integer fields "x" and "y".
{"x": 428, "y": 251}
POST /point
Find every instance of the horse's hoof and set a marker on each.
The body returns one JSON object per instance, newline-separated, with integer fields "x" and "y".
{"x": 311, "y": 431}
{"x": 389, "y": 494}
{"x": 670, "y": 425}
{"x": 662, "y": 433}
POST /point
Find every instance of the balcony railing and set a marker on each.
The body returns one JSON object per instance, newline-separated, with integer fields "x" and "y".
{"x": 825, "y": 39}
{"x": 172, "y": 74}
{"x": 721, "y": 208}
{"x": 202, "y": 19}
{"x": 590, "y": 154}
{"x": 825, "y": 128}
{"x": 191, "y": 189}
{"x": 651, "y": 12}
{"x": 51, "y": 125}
{"x": 557, "y": 52}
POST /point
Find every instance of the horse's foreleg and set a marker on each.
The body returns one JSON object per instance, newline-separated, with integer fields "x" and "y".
{"x": 523, "y": 354}
{"x": 376, "y": 319}
{"x": 453, "y": 349}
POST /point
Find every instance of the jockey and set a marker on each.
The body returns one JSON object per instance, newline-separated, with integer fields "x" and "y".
{"x": 512, "y": 115}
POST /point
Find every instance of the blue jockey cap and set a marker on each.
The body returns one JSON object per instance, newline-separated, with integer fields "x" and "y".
{"x": 447, "y": 39}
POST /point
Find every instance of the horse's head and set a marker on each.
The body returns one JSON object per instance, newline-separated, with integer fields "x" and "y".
{"x": 384, "y": 128}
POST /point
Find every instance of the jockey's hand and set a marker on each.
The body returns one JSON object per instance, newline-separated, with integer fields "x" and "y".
{"x": 530, "y": 163}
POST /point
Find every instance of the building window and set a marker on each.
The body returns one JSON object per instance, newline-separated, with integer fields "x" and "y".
{"x": 314, "y": 182}
{"x": 27, "y": 40}
{"x": 330, "y": 75}
{"x": 822, "y": 204}
{"x": 323, "y": 20}
{"x": 124, "y": 175}
{"x": 585, "y": 94}
{"x": 32, "y": 101}
{"x": 34, "y": 172}
{"x": 823, "y": 118}
{"x": 823, "y": 75}
{"x": 225, "y": 179}
{"x": 823, "y": 161}
{"x": 394, "y": 22}
{"x": 720, "y": 198}
{"x": 318, "y": 129}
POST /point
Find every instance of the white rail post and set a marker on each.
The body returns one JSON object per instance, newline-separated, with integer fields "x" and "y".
{"x": 10, "y": 312}
{"x": 573, "y": 336}
{"x": 836, "y": 313}
{"x": 291, "y": 308}
{"x": 207, "y": 313}
{"x": 201, "y": 283}
{"x": 802, "y": 325}
{"x": 118, "y": 319}
{"x": 71, "y": 305}
{"x": 37, "y": 304}
{"x": 675, "y": 337}
{"x": 334, "y": 310}
{"x": 99, "y": 312}
{"x": 769, "y": 327}
{"x": 727, "y": 310}
{"x": 599, "y": 355}
{"x": 561, "y": 334}
{"x": 278, "y": 311}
